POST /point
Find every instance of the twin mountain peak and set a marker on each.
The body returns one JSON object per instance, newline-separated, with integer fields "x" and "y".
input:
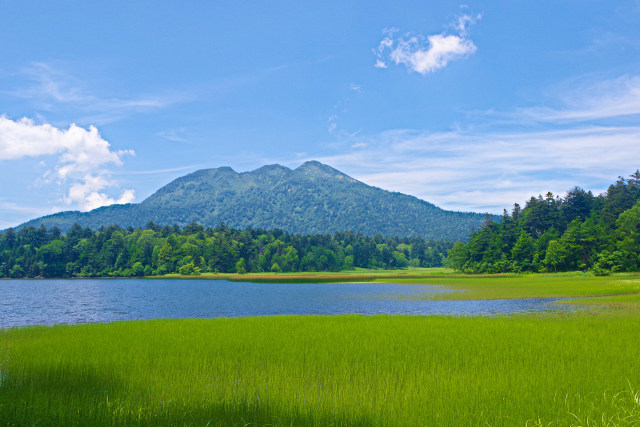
{"x": 311, "y": 199}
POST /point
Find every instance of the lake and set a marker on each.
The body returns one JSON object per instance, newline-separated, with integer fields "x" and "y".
{"x": 53, "y": 301}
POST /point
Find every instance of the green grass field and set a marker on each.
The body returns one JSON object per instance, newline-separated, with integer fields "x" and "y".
{"x": 554, "y": 369}
{"x": 577, "y": 369}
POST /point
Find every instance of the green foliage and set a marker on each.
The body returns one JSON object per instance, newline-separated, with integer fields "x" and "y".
{"x": 523, "y": 250}
{"x": 276, "y": 268}
{"x": 241, "y": 266}
{"x": 577, "y": 232}
{"x": 137, "y": 269}
{"x": 458, "y": 256}
{"x": 311, "y": 199}
{"x": 113, "y": 251}
{"x": 189, "y": 269}
{"x": 554, "y": 255}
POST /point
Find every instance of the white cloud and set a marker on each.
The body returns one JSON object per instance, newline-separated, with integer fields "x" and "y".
{"x": 588, "y": 139}
{"x": 380, "y": 64}
{"x": 488, "y": 172}
{"x": 463, "y": 22}
{"x": 88, "y": 195}
{"x": 442, "y": 49}
{"x": 81, "y": 158}
{"x": 421, "y": 57}
{"x": 592, "y": 101}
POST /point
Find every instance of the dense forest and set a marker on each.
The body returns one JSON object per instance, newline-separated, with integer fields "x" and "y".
{"x": 577, "y": 232}
{"x": 194, "y": 249}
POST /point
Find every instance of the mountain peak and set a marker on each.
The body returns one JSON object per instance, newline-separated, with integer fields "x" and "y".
{"x": 313, "y": 198}
{"x": 315, "y": 169}
{"x": 313, "y": 165}
{"x": 274, "y": 169}
{"x": 225, "y": 169}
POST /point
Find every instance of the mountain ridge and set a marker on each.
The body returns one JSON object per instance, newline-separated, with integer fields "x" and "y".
{"x": 313, "y": 198}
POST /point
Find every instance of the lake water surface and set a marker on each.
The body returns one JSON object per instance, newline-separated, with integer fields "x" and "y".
{"x": 47, "y": 302}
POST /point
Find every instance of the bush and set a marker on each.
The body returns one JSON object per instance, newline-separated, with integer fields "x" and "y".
{"x": 599, "y": 271}
{"x": 241, "y": 266}
{"x": 189, "y": 270}
{"x": 137, "y": 269}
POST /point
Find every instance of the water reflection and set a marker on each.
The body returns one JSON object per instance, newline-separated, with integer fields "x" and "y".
{"x": 30, "y": 302}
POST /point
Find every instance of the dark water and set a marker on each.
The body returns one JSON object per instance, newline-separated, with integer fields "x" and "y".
{"x": 47, "y": 302}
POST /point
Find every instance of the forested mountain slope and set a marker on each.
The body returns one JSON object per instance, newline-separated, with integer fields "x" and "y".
{"x": 313, "y": 198}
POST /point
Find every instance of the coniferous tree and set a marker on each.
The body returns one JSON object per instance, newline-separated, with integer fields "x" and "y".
{"x": 577, "y": 232}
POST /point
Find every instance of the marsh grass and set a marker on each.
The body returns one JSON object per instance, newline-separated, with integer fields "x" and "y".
{"x": 355, "y": 275}
{"x": 619, "y": 303}
{"x": 555, "y": 369}
{"x": 469, "y": 287}
{"x": 565, "y": 285}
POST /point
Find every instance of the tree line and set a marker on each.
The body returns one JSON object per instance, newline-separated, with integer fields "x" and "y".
{"x": 194, "y": 249}
{"x": 577, "y": 232}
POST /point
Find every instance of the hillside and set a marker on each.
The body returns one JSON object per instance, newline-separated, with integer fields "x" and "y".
{"x": 313, "y": 198}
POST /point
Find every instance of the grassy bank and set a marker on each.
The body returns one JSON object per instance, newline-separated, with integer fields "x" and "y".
{"x": 497, "y": 286}
{"x": 576, "y": 369}
{"x": 356, "y": 275}
{"x": 531, "y": 285}
{"x": 625, "y": 302}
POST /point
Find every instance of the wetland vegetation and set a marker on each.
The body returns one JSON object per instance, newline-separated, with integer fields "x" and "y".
{"x": 562, "y": 368}
{"x": 552, "y": 369}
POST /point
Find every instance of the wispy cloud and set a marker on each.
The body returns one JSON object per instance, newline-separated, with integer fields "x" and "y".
{"x": 490, "y": 171}
{"x": 82, "y": 159}
{"x": 50, "y": 87}
{"x": 340, "y": 108}
{"x": 332, "y": 123}
{"x": 174, "y": 135}
{"x": 14, "y": 207}
{"x": 587, "y": 101}
{"x": 12, "y": 213}
{"x": 585, "y": 139}
{"x": 162, "y": 171}
{"x": 426, "y": 56}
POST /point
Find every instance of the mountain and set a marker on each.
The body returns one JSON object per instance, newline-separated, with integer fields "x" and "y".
{"x": 313, "y": 198}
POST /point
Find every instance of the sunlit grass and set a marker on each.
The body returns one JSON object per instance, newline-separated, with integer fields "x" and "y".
{"x": 558, "y": 369}
{"x": 530, "y": 286}
{"x": 620, "y": 303}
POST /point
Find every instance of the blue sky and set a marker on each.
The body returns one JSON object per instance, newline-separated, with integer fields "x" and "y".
{"x": 472, "y": 106}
